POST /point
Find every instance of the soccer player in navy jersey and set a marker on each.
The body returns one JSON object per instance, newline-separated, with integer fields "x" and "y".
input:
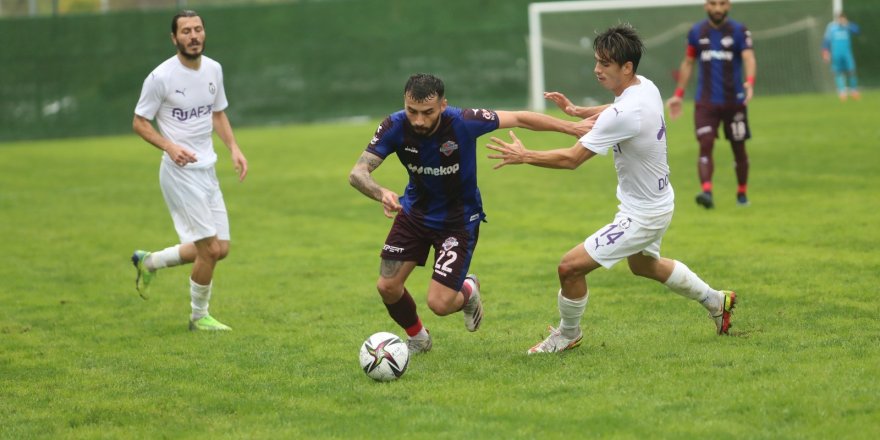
{"x": 723, "y": 49}
{"x": 441, "y": 206}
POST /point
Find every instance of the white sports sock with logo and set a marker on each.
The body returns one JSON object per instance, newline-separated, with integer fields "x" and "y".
{"x": 687, "y": 284}
{"x": 570, "y": 313}
{"x": 168, "y": 257}
{"x": 199, "y": 296}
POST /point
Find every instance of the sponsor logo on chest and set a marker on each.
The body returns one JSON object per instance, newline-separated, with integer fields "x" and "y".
{"x": 185, "y": 114}
{"x": 179, "y": 101}
{"x": 433, "y": 171}
{"x": 723, "y": 55}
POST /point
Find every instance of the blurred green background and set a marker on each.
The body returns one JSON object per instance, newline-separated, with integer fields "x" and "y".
{"x": 75, "y": 67}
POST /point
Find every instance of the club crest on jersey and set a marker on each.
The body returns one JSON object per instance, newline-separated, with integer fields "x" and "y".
{"x": 450, "y": 243}
{"x": 212, "y": 88}
{"x": 727, "y": 41}
{"x": 624, "y": 223}
{"x": 448, "y": 148}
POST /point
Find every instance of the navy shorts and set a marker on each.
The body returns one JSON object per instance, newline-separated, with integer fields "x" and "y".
{"x": 409, "y": 240}
{"x": 734, "y": 118}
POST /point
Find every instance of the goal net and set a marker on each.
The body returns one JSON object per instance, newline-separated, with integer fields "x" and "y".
{"x": 787, "y": 36}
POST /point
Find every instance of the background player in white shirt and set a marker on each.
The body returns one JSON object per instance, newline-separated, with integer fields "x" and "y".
{"x": 185, "y": 95}
{"x": 632, "y": 127}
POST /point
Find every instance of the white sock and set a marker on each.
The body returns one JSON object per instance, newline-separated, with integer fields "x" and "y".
{"x": 168, "y": 257}
{"x": 199, "y": 296}
{"x": 570, "y": 313}
{"x": 687, "y": 284}
{"x": 422, "y": 334}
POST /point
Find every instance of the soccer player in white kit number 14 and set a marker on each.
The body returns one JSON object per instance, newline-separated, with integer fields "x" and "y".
{"x": 185, "y": 95}
{"x": 634, "y": 129}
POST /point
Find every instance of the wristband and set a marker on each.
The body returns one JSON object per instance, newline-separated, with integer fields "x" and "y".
{"x": 751, "y": 80}
{"x": 679, "y": 92}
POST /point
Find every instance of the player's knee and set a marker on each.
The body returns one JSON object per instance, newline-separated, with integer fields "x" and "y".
{"x": 440, "y": 307}
{"x": 707, "y": 144}
{"x": 224, "y": 250}
{"x": 210, "y": 250}
{"x": 568, "y": 270}
{"x": 388, "y": 290}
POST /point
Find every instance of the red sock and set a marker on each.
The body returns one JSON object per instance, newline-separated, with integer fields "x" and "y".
{"x": 741, "y": 189}
{"x": 415, "y": 329}
{"x": 466, "y": 291}
{"x": 707, "y": 187}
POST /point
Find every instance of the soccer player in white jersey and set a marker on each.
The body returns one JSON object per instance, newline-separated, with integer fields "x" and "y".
{"x": 185, "y": 95}
{"x": 634, "y": 129}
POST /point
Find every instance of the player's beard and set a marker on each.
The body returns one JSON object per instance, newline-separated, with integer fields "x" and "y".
{"x": 181, "y": 47}
{"x": 425, "y": 131}
{"x": 718, "y": 21}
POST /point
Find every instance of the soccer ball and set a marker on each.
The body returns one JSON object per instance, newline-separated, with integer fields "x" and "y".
{"x": 384, "y": 356}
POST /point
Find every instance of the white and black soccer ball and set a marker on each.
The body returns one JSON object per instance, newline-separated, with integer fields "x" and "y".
{"x": 384, "y": 356}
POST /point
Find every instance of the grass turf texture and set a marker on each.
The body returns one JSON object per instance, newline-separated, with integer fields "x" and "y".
{"x": 82, "y": 356}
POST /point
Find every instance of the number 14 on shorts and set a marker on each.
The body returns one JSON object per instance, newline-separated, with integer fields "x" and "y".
{"x": 611, "y": 234}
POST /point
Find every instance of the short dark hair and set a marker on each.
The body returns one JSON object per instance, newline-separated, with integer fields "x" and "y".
{"x": 184, "y": 13}
{"x": 620, "y": 44}
{"x": 422, "y": 86}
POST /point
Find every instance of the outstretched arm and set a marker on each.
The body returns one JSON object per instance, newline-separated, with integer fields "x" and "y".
{"x": 514, "y": 153}
{"x": 361, "y": 177}
{"x": 570, "y": 109}
{"x": 541, "y": 122}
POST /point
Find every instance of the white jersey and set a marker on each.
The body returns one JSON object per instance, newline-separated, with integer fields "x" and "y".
{"x": 183, "y": 101}
{"x": 634, "y": 128}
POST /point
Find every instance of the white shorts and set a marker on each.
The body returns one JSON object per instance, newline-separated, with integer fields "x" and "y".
{"x": 195, "y": 201}
{"x": 627, "y": 235}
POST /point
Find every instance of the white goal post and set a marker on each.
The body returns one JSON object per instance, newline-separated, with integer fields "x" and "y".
{"x": 538, "y": 41}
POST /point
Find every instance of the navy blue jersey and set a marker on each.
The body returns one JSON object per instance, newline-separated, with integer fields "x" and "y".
{"x": 718, "y": 53}
{"x": 442, "y": 192}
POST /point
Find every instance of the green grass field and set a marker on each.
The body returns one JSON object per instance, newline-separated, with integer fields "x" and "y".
{"x": 82, "y": 356}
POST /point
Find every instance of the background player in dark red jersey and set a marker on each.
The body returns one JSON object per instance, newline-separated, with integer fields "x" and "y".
{"x": 723, "y": 49}
{"x": 441, "y": 207}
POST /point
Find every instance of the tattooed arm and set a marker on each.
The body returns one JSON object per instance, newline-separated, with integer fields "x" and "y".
{"x": 361, "y": 178}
